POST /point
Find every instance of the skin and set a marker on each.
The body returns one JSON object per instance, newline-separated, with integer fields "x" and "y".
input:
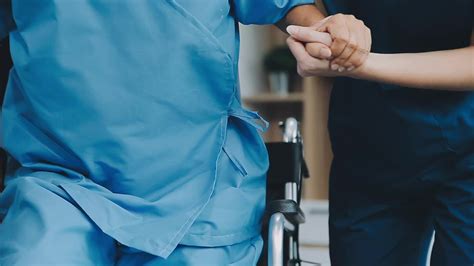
{"x": 454, "y": 69}
{"x": 347, "y": 45}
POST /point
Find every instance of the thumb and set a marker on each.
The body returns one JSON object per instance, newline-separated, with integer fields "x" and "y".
{"x": 318, "y": 50}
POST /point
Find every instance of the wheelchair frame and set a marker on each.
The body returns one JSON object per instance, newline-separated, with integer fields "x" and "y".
{"x": 283, "y": 213}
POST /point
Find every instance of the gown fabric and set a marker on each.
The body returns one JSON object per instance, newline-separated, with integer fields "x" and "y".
{"x": 130, "y": 112}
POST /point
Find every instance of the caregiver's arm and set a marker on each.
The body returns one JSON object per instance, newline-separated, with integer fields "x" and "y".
{"x": 450, "y": 69}
{"x": 307, "y": 16}
{"x": 446, "y": 70}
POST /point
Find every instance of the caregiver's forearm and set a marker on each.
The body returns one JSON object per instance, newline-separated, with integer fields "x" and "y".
{"x": 305, "y": 15}
{"x": 443, "y": 70}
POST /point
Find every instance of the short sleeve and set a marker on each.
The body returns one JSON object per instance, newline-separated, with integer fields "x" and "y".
{"x": 6, "y": 18}
{"x": 264, "y": 11}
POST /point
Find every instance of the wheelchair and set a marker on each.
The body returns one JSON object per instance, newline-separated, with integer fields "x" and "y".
{"x": 283, "y": 214}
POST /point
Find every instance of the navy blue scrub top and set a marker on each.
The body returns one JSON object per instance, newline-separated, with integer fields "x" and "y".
{"x": 382, "y": 130}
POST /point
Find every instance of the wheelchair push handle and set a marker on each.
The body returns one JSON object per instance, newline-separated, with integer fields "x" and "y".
{"x": 291, "y": 130}
{"x": 292, "y": 134}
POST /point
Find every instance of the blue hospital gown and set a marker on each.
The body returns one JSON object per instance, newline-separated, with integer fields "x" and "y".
{"x": 125, "y": 107}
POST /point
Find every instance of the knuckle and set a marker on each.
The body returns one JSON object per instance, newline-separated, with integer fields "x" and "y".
{"x": 339, "y": 18}
{"x": 290, "y": 42}
{"x": 343, "y": 40}
{"x": 301, "y": 72}
{"x": 302, "y": 66}
{"x": 352, "y": 45}
{"x": 358, "y": 61}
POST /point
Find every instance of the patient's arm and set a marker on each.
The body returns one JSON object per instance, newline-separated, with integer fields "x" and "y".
{"x": 305, "y": 15}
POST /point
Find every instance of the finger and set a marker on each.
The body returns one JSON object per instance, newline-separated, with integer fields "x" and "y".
{"x": 318, "y": 50}
{"x": 351, "y": 56}
{"x": 356, "y": 59}
{"x": 297, "y": 49}
{"x": 306, "y": 34}
{"x": 320, "y": 23}
{"x": 368, "y": 35}
{"x": 307, "y": 65}
{"x": 339, "y": 62}
{"x": 360, "y": 55}
{"x": 340, "y": 36}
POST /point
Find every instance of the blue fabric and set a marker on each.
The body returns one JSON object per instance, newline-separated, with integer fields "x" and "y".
{"x": 124, "y": 109}
{"x": 251, "y": 12}
{"x": 240, "y": 254}
{"x": 391, "y": 122}
{"x": 388, "y": 140}
{"x": 35, "y": 232}
{"x": 392, "y": 222}
{"x": 43, "y": 226}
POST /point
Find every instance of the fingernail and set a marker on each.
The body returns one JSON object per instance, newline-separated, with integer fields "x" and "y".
{"x": 350, "y": 68}
{"x": 291, "y": 29}
{"x": 341, "y": 69}
{"x": 325, "y": 52}
{"x": 334, "y": 67}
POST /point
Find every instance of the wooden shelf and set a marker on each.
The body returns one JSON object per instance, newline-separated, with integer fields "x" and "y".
{"x": 268, "y": 98}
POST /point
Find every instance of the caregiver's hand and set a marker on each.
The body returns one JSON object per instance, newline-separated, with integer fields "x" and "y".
{"x": 351, "y": 40}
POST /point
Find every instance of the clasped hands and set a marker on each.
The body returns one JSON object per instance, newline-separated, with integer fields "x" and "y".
{"x": 338, "y": 45}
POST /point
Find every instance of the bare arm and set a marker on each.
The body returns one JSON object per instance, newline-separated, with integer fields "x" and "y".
{"x": 442, "y": 70}
{"x": 305, "y": 15}
{"x": 446, "y": 70}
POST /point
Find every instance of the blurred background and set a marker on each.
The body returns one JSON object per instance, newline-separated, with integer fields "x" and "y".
{"x": 271, "y": 86}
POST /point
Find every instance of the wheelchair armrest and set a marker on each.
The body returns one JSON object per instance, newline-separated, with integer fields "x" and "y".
{"x": 289, "y": 209}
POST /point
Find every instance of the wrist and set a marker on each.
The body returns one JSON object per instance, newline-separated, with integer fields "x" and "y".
{"x": 304, "y": 15}
{"x": 368, "y": 69}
